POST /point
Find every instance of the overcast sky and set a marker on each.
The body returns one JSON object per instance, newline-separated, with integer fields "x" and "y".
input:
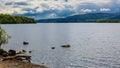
{"x": 57, "y": 8}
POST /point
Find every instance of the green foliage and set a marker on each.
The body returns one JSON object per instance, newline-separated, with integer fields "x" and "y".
{"x": 1, "y": 51}
{"x": 108, "y": 21}
{"x": 9, "y": 19}
{"x": 4, "y": 37}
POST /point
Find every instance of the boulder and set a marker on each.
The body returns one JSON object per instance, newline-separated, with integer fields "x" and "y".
{"x": 5, "y": 54}
{"x": 25, "y": 43}
{"x": 12, "y": 52}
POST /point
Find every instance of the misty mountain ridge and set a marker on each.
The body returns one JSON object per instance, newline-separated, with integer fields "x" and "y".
{"x": 89, "y": 17}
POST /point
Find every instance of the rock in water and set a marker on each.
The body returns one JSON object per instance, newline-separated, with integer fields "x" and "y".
{"x": 25, "y": 43}
{"x": 30, "y": 51}
{"x": 52, "y": 47}
{"x": 24, "y": 51}
{"x": 65, "y": 45}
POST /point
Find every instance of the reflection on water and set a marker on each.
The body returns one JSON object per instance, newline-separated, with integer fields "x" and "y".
{"x": 92, "y": 45}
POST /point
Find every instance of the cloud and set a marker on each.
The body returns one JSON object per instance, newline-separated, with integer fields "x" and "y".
{"x": 52, "y": 15}
{"x": 105, "y": 9}
{"x": 16, "y": 3}
{"x": 87, "y": 10}
{"x": 56, "y": 8}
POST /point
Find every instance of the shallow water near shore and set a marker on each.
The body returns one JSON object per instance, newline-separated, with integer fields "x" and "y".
{"x": 93, "y": 45}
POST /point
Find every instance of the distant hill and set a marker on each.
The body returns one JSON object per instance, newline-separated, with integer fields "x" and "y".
{"x": 115, "y": 17}
{"x": 9, "y": 19}
{"x": 90, "y": 17}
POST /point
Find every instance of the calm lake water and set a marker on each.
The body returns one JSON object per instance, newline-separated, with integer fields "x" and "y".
{"x": 93, "y": 45}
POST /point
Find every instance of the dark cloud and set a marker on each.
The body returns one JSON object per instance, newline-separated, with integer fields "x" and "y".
{"x": 16, "y": 3}
{"x": 28, "y": 9}
{"x": 9, "y": 3}
{"x": 21, "y": 3}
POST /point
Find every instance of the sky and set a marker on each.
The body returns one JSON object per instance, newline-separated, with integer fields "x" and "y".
{"x": 42, "y": 9}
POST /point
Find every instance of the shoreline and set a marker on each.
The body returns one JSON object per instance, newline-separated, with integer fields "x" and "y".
{"x": 18, "y": 64}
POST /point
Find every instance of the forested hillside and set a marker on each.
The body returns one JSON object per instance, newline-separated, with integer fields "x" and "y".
{"x": 9, "y": 19}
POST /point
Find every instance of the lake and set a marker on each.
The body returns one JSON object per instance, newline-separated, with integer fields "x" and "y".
{"x": 93, "y": 45}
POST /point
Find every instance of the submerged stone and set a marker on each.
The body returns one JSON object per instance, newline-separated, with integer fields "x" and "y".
{"x": 52, "y": 47}
{"x": 65, "y": 45}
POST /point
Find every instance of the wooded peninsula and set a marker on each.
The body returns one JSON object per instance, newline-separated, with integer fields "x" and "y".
{"x": 108, "y": 21}
{"x": 10, "y": 19}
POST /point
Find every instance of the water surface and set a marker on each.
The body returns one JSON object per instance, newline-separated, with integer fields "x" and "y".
{"x": 93, "y": 45}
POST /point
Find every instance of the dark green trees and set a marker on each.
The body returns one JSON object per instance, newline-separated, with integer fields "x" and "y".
{"x": 108, "y": 21}
{"x": 9, "y": 19}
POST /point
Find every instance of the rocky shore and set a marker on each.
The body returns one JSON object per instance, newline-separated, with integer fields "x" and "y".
{"x": 13, "y": 59}
{"x": 18, "y": 64}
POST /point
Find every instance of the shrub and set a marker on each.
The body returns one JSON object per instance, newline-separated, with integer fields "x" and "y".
{"x": 2, "y": 51}
{"x": 4, "y": 37}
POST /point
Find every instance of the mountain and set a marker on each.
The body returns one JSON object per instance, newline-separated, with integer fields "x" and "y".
{"x": 89, "y": 17}
{"x": 116, "y": 17}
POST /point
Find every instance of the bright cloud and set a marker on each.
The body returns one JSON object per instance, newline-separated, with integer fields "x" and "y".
{"x": 87, "y": 10}
{"x": 56, "y": 8}
{"x": 105, "y": 9}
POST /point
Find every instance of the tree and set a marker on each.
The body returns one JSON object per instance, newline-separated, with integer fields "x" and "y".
{"x": 10, "y": 19}
{"x": 4, "y": 37}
